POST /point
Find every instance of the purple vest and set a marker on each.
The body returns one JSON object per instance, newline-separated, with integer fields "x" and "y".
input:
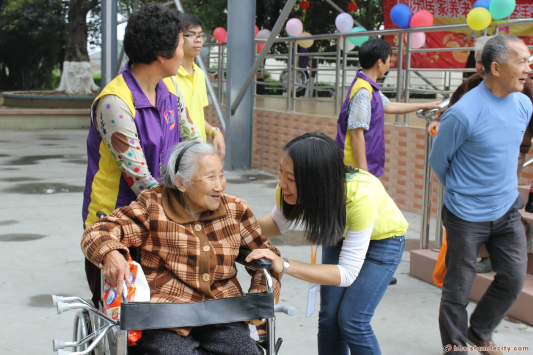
{"x": 158, "y": 131}
{"x": 374, "y": 136}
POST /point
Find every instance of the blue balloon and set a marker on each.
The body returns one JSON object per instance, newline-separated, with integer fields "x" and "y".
{"x": 401, "y": 15}
{"x": 482, "y": 3}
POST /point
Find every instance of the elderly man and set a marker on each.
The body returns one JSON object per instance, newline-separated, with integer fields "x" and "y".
{"x": 474, "y": 156}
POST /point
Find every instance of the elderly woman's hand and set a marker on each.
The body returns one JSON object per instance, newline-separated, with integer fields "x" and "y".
{"x": 277, "y": 261}
{"x": 116, "y": 269}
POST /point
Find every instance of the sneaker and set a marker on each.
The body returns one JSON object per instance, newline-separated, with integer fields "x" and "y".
{"x": 475, "y": 341}
{"x": 483, "y": 266}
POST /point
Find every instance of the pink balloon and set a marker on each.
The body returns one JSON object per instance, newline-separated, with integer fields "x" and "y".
{"x": 294, "y": 27}
{"x": 220, "y": 34}
{"x": 256, "y": 30}
{"x": 260, "y": 47}
{"x": 417, "y": 39}
{"x": 422, "y": 18}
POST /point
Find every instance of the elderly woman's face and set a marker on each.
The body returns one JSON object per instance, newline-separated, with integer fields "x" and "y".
{"x": 207, "y": 186}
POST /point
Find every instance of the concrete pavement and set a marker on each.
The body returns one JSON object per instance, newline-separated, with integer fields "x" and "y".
{"x": 42, "y": 174}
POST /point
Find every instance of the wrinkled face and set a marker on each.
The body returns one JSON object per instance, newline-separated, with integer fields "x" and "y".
{"x": 287, "y": 181}
{"x": 480, "y": 69}
{"x": 194, "y": 39}
{"x": 173, "y": 64}
{"x": 205, "y": 190}
{"x": 513, "y": 74}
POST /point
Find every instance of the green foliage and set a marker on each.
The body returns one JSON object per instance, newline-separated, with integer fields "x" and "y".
{"x": 32, "y": 43}
{"x": 319, "y": 19}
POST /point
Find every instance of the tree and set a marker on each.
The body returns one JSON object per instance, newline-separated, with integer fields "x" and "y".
{"x": 32, "y": 41}
{"x": 76, "y": 77}
{"x": 320, "y": 17}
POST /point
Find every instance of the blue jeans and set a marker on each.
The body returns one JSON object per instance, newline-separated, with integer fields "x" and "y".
{"x": 345, "y": 312}
{"x": 506, "y": 243}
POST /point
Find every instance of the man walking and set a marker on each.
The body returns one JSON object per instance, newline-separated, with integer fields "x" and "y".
{"x": 474, "y": 156}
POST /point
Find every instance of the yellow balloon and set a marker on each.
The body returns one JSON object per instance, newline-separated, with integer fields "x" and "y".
{"x": 305, "y": 43}
{"x": 479, "y": 18}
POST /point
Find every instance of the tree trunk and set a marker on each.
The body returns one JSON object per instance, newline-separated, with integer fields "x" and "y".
{"x": 76, "y": 77}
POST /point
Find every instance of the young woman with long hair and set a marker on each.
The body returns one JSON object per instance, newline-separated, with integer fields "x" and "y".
{"x": 360, "y": 228}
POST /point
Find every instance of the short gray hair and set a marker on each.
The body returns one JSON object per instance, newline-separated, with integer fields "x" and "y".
{"x": 480, "y": 43}
{"x": 188, "y": 162}
{"x": 497, "y": 50}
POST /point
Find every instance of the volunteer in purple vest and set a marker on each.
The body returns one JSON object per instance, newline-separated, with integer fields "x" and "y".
{"x": 361, "y": 124}
{"x": 135, "y": 120}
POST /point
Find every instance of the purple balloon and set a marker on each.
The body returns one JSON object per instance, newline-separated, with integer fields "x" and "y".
{"x": 482, "y": 3}
{"x": 401, "y": 15}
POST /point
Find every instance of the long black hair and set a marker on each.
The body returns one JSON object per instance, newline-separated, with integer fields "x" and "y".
{"x": 320, "y": 176}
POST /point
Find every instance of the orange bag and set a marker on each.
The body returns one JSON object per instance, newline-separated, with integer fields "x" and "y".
{"x": 138, "y": 291}
{"x": 440, "y": 266}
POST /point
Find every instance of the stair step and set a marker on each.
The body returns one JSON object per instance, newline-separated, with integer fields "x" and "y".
{"x": 423, "y": 263}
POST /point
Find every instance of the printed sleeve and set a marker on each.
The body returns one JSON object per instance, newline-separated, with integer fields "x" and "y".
{"x": 114, "y": 123}
{"x": 359, "y": 111}
{"x": 384, "y": 98}
{"x": 188, "y": 131}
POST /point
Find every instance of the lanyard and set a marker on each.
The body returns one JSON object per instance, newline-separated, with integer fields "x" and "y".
{"x": 313, "y": 255}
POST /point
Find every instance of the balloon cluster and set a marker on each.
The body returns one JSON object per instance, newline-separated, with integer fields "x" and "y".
{"x": 484, "y": 11}
{"x": 345, "y": 24}
{"x": 401, "y": 16}
{"x": 294, "y": 28}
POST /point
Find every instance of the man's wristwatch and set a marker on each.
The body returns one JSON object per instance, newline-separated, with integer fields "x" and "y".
{"x": 213, "y": 129}
{"x": 286, "y": 266}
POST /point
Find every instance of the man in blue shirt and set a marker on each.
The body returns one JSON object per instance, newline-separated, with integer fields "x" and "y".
{"x": 474, "y": 156}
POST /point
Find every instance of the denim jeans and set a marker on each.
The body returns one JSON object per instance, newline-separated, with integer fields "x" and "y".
{"x": 506, "y": 243}
{"x": 345, "y": 312}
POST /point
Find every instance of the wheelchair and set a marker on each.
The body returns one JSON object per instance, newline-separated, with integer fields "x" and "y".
{"x": 96, "y": 333}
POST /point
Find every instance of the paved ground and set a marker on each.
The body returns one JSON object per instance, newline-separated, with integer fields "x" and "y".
{"x": 41, "y": 181}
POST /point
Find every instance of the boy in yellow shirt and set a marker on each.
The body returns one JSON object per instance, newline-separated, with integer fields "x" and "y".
{"x": 191, "y": 80}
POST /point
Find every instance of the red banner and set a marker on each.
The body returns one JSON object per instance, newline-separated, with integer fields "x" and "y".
{"x": 446, "y": 12}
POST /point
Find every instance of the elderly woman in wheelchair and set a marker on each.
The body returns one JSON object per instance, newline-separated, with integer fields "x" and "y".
{"x": 188, "y": 233}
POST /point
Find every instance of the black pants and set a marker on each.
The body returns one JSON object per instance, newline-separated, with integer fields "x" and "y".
{"x": 506, "y": 243}
{"x": 220, "y": 339}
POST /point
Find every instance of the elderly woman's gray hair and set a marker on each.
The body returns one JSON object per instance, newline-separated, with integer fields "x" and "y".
{"x": 188, "y": 163}
{"x": 497, "y": 50}
{"x": 480, "y": 44}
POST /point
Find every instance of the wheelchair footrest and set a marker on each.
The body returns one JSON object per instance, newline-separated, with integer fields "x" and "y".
{"x": 177, "y": 315}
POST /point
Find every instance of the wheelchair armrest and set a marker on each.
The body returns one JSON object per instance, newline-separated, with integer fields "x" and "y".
{"x": 263, "y": 263}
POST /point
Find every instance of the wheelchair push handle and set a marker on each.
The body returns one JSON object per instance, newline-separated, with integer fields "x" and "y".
{"x": 262, "y": 263}
{"x": 284, "y": 308}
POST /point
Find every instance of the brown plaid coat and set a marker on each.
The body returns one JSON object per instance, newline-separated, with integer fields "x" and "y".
{"x": 184, "y": 260}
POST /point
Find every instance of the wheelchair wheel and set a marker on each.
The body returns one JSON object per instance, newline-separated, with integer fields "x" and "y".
{"x": 300, "y": 80}
{"x": 82, "y": 328}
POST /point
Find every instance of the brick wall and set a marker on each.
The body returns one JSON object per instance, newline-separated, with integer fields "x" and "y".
{"x": 404, "y": 149}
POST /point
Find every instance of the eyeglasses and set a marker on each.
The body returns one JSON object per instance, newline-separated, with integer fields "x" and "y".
{"x": 194, "y": 37}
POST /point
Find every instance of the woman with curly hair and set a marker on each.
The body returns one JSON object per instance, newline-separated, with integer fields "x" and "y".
{"x": 136, "y": 119}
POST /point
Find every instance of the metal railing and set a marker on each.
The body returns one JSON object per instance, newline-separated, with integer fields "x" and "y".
{"x": 338, "y": 75}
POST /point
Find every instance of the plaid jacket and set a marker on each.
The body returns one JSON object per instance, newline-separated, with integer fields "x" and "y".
{"x": 184, "y": 260}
